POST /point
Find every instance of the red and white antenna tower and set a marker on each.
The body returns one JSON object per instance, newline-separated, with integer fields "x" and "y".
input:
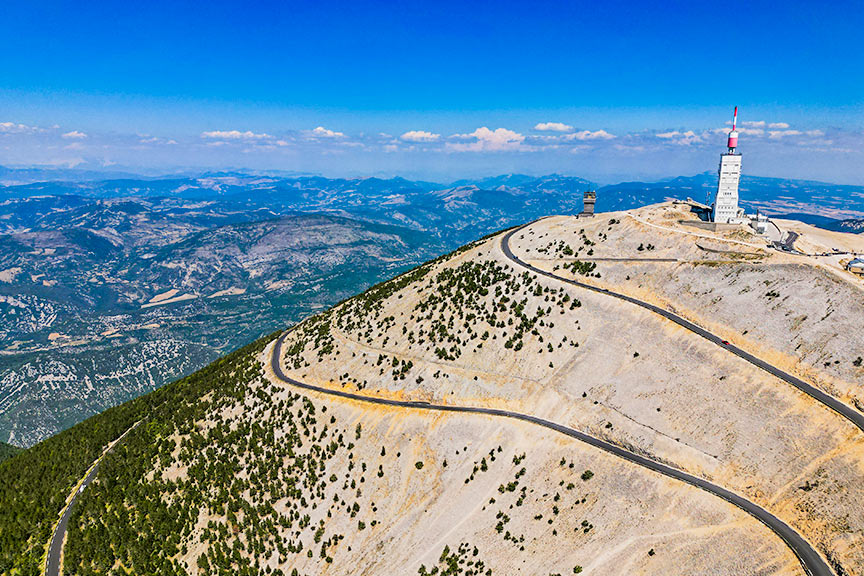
{"x": 733, "y": 135}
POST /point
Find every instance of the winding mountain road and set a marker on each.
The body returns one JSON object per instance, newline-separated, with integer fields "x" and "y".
{"x": 811, "y": 561}
{"x": 832, "y": 403}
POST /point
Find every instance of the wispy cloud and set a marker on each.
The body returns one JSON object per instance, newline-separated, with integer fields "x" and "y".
{"x": 589, "y": 135}
{"x": 74, "y": 135}
{"x": 419, "y": 136}
{"x": 757, "y": 127}
{"x": 486, "y": 140}
{"x": 234, "y": 135}
{"x": 13, "y": 128}
{"x": 750, "y": 131}
{"x": 156, "y": 140}
{"x": 629, "y": 148}
{"x": 683, "y": 138}
{"x": 777, "y": 134}
{"x": 553, "y": 127}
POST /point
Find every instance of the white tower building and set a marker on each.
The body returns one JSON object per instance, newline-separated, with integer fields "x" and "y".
{"x": 726, "y": 199}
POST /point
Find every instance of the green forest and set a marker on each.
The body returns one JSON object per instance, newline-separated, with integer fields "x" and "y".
{"x": 35, "y": 483}
{"x": 7, "y": 451}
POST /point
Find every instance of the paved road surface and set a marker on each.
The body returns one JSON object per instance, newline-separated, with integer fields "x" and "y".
{"x": 55, "y": 548}
{"x": 844, "y": 410}
{"x": 811, "y": 561}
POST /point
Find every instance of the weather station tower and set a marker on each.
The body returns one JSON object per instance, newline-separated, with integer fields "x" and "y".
{"x": 725, "y": 209}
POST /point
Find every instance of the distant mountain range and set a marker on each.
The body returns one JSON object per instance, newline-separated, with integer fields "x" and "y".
{"x": 111, "y": 287}
{"x": 773, "y": 196}
{"x": 377, "y": 197}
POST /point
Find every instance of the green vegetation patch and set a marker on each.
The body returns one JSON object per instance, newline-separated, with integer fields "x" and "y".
{"x": 464, "y": 561}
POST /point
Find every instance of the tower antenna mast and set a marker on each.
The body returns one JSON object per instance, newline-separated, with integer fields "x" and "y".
{"x": 733, "y": 135}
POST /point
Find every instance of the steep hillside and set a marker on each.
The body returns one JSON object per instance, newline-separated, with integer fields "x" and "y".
{"x": 229, "y": 471}
{"x": 36, "y": 484}
{"x": 483, "y": 330}
{"x": 593, "y": 424}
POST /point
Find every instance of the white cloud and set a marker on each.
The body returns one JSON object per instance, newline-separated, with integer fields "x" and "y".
{"x": 234, "y": 135}
{"x": 756, "y": 127}
{"x": 419, "y": 136}
{"x": 155, "y": 140}
{"x": 777, "y": 134}
{"x": 13, "y": 128}
{"x": 553, "y": 127}
{"x": 486, "y": 140}
{"x": 74, "y": 135}
{"x": 750, "y": 131}
{"x": 322, "y": 132}
{"x": 683, "y": 138}
{"x": 589, "y": 135}
{"x": 741, "y": 130}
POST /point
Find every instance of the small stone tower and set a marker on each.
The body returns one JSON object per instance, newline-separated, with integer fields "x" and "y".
{"x": 589, "y": 197}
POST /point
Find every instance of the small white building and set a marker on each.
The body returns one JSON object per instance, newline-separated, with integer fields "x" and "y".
{"x": 759, "y": 222}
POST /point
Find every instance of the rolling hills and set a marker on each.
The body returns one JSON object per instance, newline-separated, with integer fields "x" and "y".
{"x": 126, "y": 296}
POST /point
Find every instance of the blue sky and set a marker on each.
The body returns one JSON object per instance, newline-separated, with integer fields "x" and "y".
{"x": 441, "y": 89}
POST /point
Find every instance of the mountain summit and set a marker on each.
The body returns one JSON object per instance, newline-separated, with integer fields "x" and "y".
{"x": 622, "y": 394}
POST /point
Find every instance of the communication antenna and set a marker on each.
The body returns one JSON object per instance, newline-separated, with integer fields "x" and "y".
{"x": 732, "y": 144}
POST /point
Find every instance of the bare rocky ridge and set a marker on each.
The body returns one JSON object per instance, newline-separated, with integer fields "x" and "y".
{"x": 475, "y": 329}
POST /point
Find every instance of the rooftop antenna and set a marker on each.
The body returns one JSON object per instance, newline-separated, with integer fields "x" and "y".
{"x": 733, "y": 135}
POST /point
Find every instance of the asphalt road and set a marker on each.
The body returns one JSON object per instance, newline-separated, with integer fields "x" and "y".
{"x": 55, "y": 548}
{"x": 844, "y": 410}
{"x": 811, "y": 561}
